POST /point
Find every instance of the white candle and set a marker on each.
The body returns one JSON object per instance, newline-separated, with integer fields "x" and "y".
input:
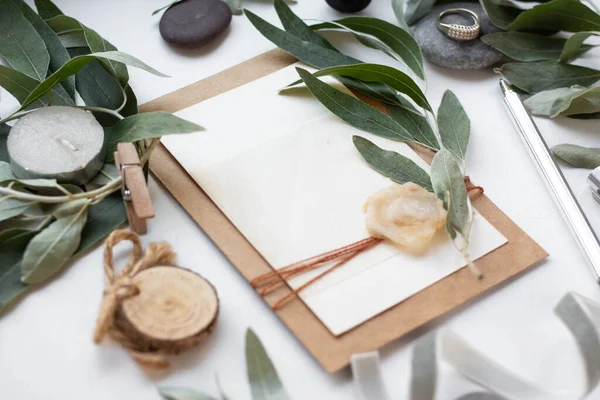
{"x": 62, "y": 143}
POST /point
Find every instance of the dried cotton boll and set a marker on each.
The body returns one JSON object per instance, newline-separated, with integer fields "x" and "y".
{"x": 407, "y": 215}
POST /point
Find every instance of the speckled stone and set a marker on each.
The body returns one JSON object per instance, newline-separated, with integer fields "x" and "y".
{"x": 449, "y": 53}
{"x": 193, "y": 23}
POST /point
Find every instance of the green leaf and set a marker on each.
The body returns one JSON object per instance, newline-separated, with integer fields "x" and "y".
{"x": 263, "y": 378}
{"x": 11, "y": 252}
{"x": 145, "y": 126}
{"x": 58, "y": 54}
{"x": 21, "y": 46}
{"x": 98, "y": 88}
{"x": 4, "y": 131}
{"x": 50, "y": 249}
{"x": 398, "y": 6}
{"x": 416, "y": 124}
{"x": 545, "y": 75}
{"x": 541, "y": 103}
{"x": 305, "y": 51}
{"x": 578, "y": 156}
{"x": 298, "y": 28}
{"x": 353, "y": 111}
{"x": 500, "y": 15}
{"x": 527, "y": 46}
{"x": 20, "y": 86}
{"x": 574, "y": 46}
{"x": 564, "y": 15}
{"x": 585, "y": 101}
{"x": 12, "y": 207}
{"x": 181, "y": 393}
{"x": 417, "y": 9}
{"x": 235, "y": 6}
{"x": 62, "y": 24}
{"x": 47, "y": 9}
{"x": 395, "y": 166}
{"x": 73, "y": 39}
{"x": 116, "y": 68}
{"x": 397, "y": 80}
{"x": 6, "y": 172}
{"x": 448, "y": 184}
{"x": 102, "y": 219}
{"x": 454, "y": 125}
{"x": 76, "y": 64}
{"x": 396, "y": 39}
{"x": 165, "y": 7}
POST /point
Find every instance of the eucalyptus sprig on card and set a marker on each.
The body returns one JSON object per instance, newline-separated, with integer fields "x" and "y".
{"x": 408, "y": 114}
{"x": 44, "y": 223}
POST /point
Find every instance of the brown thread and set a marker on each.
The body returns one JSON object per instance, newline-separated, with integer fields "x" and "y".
{"x": 273, "y": 279}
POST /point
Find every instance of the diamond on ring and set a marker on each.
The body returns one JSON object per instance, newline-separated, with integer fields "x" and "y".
{"x": 457, "y": 31}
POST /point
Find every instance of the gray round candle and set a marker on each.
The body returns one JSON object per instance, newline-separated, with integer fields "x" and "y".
{"x": 62, "y": 143}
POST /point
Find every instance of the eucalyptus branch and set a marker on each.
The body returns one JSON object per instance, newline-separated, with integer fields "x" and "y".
{"x": 16, "y": 115}
{"x": 14, "y": 194}
{"x": 118, "y": 110}
{"x": 102, "y": 110}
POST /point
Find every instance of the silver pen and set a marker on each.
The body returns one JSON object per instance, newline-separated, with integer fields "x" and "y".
{"x": 554, "y": 178}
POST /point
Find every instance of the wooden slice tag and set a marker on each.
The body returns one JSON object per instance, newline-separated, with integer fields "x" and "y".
{"x": 175, "y": 310}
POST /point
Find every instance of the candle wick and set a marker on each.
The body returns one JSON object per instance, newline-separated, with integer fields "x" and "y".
{"x": 66, "y": 143}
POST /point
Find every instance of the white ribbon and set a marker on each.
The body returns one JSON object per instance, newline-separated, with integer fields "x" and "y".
{"x": 579, "y": 314}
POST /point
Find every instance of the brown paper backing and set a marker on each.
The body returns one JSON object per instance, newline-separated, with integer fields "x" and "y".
{"x": 332, "y": 352}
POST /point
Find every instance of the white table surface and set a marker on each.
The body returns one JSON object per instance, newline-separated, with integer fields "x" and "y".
{"x": 46, "y": 351}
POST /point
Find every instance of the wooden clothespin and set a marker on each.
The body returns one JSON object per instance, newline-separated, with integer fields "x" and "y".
{"x": 135, "y": 190}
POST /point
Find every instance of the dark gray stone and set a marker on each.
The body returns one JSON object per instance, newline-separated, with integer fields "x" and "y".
{"x": 449, "y": 53}
{"x": 348, "y": 6}
{"x": 193, "y": 23}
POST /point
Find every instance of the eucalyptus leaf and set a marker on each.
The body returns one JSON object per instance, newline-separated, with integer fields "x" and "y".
{"x": 50, "y": 249}
{"x": 454, "y": 125}
{"x": 448, "y": 184}
{"x": 545, "y": 75}
{"x": 4, "y": 131}
{"x": 21, "y": 46}
{"x": 235, "y": 6}
{"x": 541, "y": 103}
{"x": 263, "y": 378}
{"x": 528, "y": 46}
{"x": 76, "y": 64}
{"x": 11, "y": 252}
{"x": 73, "y": 39}
{"x": 392, "y": 77}
{"x": 416, "y": 124}
{"x": 574, "y": 46}
{"x": 57, "y": 52}
{"x": 564, "y": 15}
{"x": 305, "y": 51}
{"x": 166, "y": 7}
{"x": 98, "y": 88}
{"x": 7, "y": 235}
{"x": 586, "y": 101}
{"x": 117, "y": 68}
{"x": 578, "y": 156}
{"x": 6, "y": 172}
{"x": 12, "y": 207}
{"x": 353, "y": 111}
{"x": 181, "y": 393}
{"x": 103, "y": 218}
{"x": 20, "y": 86}
{"x": 47, "y": 9}
{"x": 145, "y": 126}
{"x": 398, "y": 40}
{"x": 399, "y": 7}
{"x": 417, "y": 9}
{"x": 62, "y": 25}
{"x": 395, "y": 166}
{"x": 500, "y": 15}
{"x": 295, "y": 26}
{"x": 311, "y": 52}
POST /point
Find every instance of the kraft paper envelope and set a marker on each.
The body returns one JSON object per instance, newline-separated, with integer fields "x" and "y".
{"x": 332, "y": 351}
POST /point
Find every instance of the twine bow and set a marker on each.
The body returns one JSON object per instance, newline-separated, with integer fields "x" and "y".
{"x": 120, "y": 286}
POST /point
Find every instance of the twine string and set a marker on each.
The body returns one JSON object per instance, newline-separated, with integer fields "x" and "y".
{"x": 120, "y": 286}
